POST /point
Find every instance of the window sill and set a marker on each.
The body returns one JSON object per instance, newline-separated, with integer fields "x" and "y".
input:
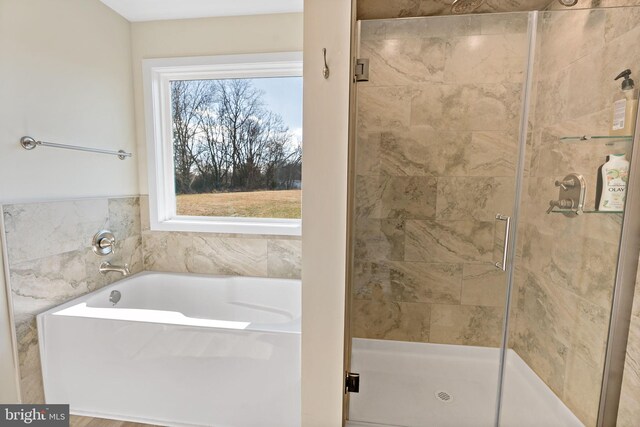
{"x": 230, "y": 225}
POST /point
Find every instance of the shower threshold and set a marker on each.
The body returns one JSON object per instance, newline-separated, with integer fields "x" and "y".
{"x": 406, "y": 384}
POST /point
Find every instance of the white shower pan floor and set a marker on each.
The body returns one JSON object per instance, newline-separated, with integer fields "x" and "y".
{"x": 435, "y": 385}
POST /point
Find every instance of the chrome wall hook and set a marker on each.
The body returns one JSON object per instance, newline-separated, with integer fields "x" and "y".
{"x": 325, "y": 69}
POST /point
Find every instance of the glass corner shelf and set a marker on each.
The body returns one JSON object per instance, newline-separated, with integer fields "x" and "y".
{"x": 599, "y": 138}
{"x": 586, "y": 211}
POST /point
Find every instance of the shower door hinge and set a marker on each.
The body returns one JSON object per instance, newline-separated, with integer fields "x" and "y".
{"x": 352, "y": 383}
{"x": 362, "y": 70}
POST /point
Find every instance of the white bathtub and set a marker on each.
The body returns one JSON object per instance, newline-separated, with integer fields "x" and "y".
{"x": 178, "y": 350}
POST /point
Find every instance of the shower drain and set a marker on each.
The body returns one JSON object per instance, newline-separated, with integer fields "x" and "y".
{"x": 444, "y": 397}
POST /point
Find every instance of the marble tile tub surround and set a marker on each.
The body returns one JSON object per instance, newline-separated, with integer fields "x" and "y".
{"x": 206, "y": 253}
{"x": 51, "y": 261}
{"x": 566, "y": 266}
{"x": 435, "y": 161}
{"x": 225, "y": 254}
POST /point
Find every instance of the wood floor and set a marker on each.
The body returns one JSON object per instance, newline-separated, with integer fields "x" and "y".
{"x": 76, "y": 421}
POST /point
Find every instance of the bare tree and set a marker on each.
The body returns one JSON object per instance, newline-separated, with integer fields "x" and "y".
{"x": 188, "y": 100}
{"x": 225, "y": 138}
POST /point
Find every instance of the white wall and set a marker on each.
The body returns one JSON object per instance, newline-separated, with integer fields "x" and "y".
{"x": 205, "y": 37}
{"x": 65, "y": 76}
{"x": 324, "y": 209}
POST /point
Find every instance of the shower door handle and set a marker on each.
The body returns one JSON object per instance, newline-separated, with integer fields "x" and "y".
{"x": 507, "y": 227}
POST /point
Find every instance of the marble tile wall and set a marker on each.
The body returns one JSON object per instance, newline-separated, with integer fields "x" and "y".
{"x": 565, "y": 269}
{"x": 592, "y": 4}
{"x": 51, "y": 262}
{"x": 384, "y": 9}
{"x": 629, "y": 410}
{"x": 435, "y": 161}
{"x": 225, "y": 254}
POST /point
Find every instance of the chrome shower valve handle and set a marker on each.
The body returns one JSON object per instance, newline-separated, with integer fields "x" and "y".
{"x": 566, "y": 184}
{"x": 561, "y": 204}
{"x": 104, "y": 243}
{"x": 572, "y": 190}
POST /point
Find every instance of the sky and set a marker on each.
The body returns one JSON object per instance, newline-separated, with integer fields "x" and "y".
{"x": 283, "y": 95}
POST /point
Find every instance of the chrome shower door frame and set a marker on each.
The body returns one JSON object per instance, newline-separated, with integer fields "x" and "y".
{"x": 626, "y": 268}
{"x": 623, "y": 293}
{"x": 510, "y": 254}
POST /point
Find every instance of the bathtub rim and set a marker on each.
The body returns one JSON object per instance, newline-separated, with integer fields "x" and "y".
{"x": 291, "y": 327}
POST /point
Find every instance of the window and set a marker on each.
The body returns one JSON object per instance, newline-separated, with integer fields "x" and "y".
{"x": 224, "y": 138}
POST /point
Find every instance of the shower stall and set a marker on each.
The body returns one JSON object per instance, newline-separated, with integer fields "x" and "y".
{"x": 486, "y": 287}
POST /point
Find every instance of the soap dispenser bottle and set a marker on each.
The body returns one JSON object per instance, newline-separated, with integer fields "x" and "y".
{"x": 625, "y": 106}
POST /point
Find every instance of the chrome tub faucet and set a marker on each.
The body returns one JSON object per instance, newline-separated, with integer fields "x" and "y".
{"x": 106, "y": 267}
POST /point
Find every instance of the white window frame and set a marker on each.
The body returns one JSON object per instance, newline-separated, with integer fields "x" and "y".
{"x": 157, "y": 77}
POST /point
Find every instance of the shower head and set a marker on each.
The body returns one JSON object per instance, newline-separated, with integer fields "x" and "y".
{"x": 465, "y": 6}
{"x": 568, "y": 3}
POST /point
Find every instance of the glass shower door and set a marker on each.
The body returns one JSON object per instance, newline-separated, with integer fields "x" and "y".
{"x": 565, "y": 268}
{"x": 438, "y": 131}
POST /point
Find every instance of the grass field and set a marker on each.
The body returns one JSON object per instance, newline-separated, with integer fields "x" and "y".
{"x": 256, "y": 204}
